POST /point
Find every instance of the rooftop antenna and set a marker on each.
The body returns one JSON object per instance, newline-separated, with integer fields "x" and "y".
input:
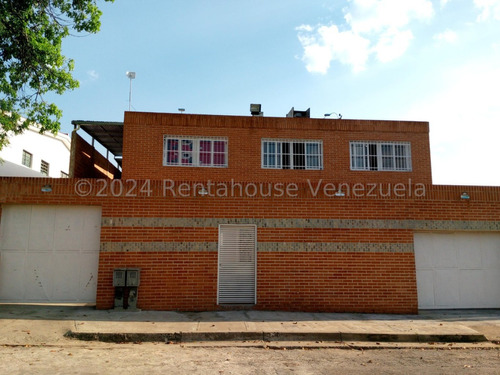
{"x": 131, "y": 76}
{"x": 181, "y": 110}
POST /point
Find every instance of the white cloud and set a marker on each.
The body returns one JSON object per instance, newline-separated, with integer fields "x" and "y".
{"x": 330, "y": 44}
{"x": 317, "y": 57}
{"x": 379, "y": 27}
{"x": 366, "y": 16}
{"x": 392, "y": 44}
{"x": 448, "y": 36}
{"x": 488, "y": 8}
{"x": 304, "y": 28}
{"x": 444, "y": 2}
{"x": 93, "y": 75}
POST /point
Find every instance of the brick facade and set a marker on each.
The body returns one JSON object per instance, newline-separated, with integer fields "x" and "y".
{"x": 85, "y": 161}
{"x": 143, "y": 142}
{"x": 313, "y": 254}
{"x": 315, "y": 251}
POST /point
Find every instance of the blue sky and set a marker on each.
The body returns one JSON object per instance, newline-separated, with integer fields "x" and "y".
{"x": 436, "y": 61}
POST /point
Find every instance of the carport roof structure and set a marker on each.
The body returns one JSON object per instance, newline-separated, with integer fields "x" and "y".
{"x": 107, "y": 133}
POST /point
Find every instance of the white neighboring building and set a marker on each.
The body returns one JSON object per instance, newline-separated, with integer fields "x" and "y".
{"x": 32, "y": 154}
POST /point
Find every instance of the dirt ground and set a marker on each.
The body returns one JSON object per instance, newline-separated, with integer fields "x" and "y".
{"x": 150, "y": 358}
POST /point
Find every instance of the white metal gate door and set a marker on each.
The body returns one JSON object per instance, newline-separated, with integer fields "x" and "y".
{"x": 458, "y": 270}
{"x": 49, "y": 254}
{"x": 237, "y": 264}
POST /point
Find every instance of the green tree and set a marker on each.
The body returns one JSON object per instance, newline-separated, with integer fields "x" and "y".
{"x": 31, "y": 62}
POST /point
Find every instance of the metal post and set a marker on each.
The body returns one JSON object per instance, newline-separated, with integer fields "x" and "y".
{"x": 130, "y": 95}
{"x": 131, "y": 76}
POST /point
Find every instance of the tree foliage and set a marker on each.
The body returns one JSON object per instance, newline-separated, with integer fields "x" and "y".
{"x": 31, "y": 62}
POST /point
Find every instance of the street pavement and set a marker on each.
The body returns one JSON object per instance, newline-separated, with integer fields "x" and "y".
{"x": 52, "y": 325}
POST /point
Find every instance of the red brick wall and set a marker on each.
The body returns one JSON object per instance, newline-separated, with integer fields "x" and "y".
{"x": 338, "y": 282}
{"x": 169, "y": 280}
{"x": 381, "y": 281}
{"x": 143, "y": 147}
{"x": 86, "y": 162}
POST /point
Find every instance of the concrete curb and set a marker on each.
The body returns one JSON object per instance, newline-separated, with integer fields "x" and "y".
{"x": 179, "y": 337}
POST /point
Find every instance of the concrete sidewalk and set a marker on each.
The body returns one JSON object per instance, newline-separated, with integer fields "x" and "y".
{"x": 21, "y": 324}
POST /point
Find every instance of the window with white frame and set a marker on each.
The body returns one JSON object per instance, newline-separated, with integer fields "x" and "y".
{"x": 380, "y": 156}
{"x": 194, "y": 151}
{"x": 27, "y": 159}
{"x": 44, "y": 168}
{"x": 292, "y": 154}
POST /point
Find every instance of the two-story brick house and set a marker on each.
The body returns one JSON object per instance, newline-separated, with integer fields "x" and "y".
{"x": 270, "y": 213}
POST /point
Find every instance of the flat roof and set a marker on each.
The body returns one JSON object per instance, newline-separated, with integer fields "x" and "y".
{"x": 107, "y": 133}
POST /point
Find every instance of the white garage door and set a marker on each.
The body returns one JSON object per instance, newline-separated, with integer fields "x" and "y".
{"x": 49, "y": 253}
{"x": 458, "y": 270}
